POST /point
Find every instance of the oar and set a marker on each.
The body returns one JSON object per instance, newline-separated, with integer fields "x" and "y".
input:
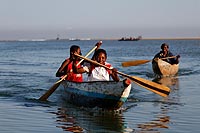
{"x": 152, "y": 86}
{"x": 55, "y": 86}
{"x": 139, "y": 62}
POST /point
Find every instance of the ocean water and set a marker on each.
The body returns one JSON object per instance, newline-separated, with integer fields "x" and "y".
{"x": 27, "y": 71}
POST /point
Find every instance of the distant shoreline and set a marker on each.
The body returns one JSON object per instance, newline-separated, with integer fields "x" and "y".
{"x": 178, "y": 38}
{"x": 175, "y": 38}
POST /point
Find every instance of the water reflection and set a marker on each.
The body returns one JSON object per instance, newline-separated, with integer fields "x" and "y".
{"x": 76, "y": 119}
{"x": 161, "y": 118}
{"x": 161, "y": 121}
{"x": 67, "y": 122}
{"x": 171, "y": 82}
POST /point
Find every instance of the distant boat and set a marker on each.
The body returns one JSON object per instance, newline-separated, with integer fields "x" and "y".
{"x": 58, "y": 38}
{"x": 78, "y": 39}
{"x": 130, "y": 39}
{"x": 74, "y": 39}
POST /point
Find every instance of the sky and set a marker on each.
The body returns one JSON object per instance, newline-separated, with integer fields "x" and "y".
{"x": 110, "y": 19}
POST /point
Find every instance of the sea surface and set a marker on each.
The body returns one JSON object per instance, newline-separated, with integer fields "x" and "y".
{"x": 27, "y": 71}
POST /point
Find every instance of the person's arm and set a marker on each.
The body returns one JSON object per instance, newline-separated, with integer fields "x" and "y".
{"x": 156, "y": 57}
{"x": 98, "y": 44}
{"x": 114, "y": 75}
{"x": 177, "y": 59}
{"x": 174, "y": 60}
{"x": 79, "y": 70}
{"x": 61, "y": 70}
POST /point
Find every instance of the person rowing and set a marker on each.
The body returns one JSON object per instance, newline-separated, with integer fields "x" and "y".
{"x": 165, "y": 54}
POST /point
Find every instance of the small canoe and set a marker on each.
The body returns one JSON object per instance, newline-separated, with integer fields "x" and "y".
{"x": 163, "y": 68}
{"x": 102, "y": 94}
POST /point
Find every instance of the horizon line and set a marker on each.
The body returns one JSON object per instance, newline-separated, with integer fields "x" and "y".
{"x": 87, "y": 39}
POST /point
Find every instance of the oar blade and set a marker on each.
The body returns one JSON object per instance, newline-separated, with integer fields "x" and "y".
{"x": 134, "y": 63}
{"x": 45, "y": 96}
{"x": 49, "y": 92}
{"x": 152, "y": 86}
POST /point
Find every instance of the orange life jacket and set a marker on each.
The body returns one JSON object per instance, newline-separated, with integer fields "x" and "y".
{"x": 71, "y": 76}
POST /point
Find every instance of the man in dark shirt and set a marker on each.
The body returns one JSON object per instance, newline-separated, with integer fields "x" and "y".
{"x": 166, "y": 53}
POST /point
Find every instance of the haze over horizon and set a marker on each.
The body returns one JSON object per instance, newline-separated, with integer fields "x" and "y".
{"x": 48, "y": 19}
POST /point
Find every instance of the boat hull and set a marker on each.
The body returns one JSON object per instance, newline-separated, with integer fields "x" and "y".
{"x": 163, "y": 68}
{"x": 103, "y": 94}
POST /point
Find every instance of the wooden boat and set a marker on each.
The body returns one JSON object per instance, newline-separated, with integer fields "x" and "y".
{"x": 163, "y": 68}
{"x": 102, "y": 94}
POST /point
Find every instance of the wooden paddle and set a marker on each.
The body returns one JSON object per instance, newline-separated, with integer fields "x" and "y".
{"x": 152, "y": 86}
{"x": 45, "y": 96}
{"x": 139, "y": 62}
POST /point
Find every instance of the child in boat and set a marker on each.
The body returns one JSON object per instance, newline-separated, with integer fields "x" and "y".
{"x": 98, "y": 73}
{"x": 166, "y": 53}
{"x": 66, "y": 67}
